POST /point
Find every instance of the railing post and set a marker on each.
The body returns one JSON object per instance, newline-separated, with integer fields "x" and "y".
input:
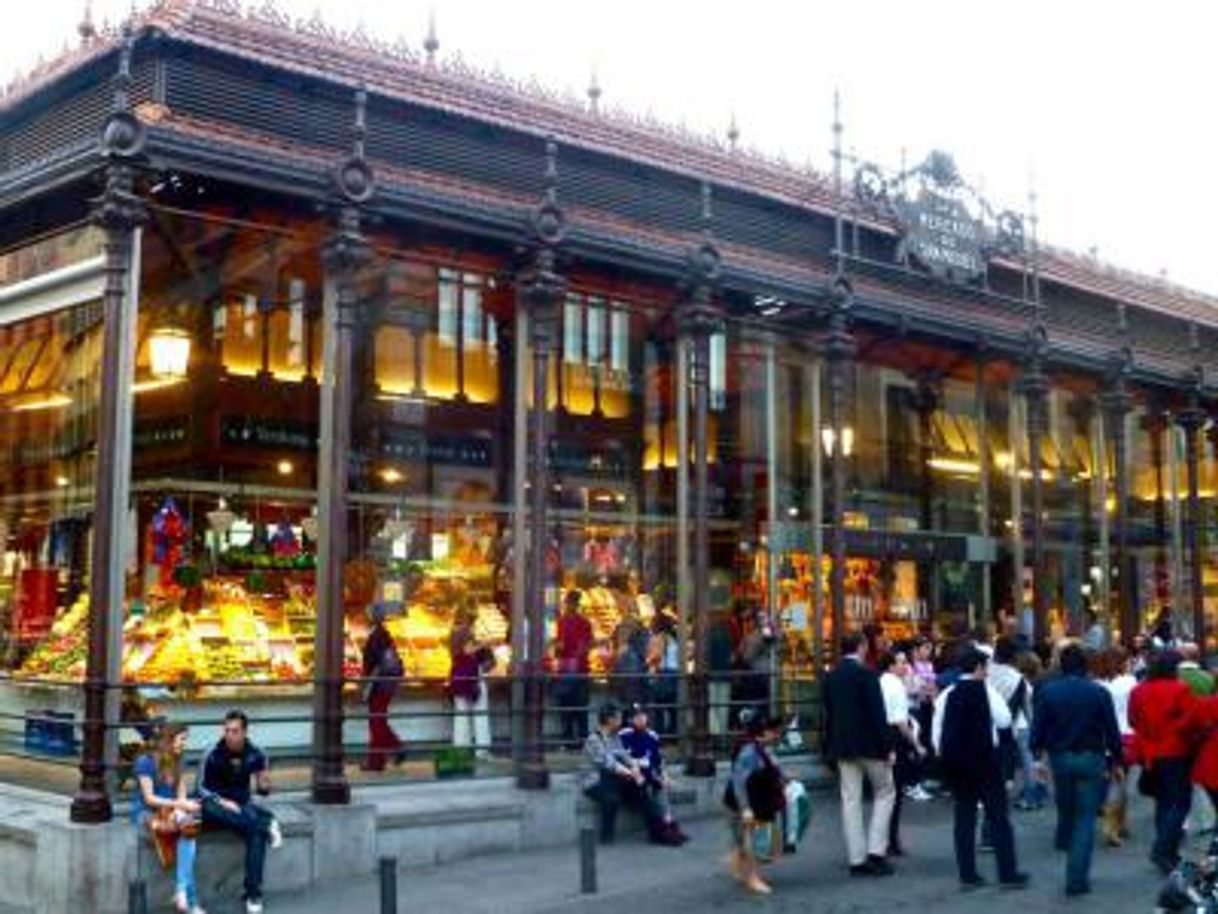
{"x": 587, "y": 860}
{"x": 389, "y": 885}
{"x": 137, "y": 896}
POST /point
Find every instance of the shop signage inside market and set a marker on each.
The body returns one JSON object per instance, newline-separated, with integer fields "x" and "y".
{"x": 281, "y": 434}
{"x": 451, "y": 450}
{"x": 915, "y": 545}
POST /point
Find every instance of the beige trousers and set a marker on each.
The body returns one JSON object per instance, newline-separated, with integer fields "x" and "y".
{"x": 861, "y": 841}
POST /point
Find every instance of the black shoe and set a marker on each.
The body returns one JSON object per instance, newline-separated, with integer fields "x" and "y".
{"x": 972, "y": 884}
{"x": 879, "y": 866}
{"x": 896, "y": 850}
{"x": 1164, "y": 863}
{"x": 1016, "y": 882}
{"x": 861, "y": 869}
{"x": 1075, "y": 892}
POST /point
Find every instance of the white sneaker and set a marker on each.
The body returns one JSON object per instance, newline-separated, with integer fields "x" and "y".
{"x": 198, "y": 909}
{"x": 276, "y": 835}
{"x": 253, "y": 906}
{"x": 180, "y": 904}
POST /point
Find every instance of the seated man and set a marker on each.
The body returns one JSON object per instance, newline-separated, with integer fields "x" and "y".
{"x": 614, "y": 779}
{"x": 224, "y": 788}
{"x": 643, "y": 744}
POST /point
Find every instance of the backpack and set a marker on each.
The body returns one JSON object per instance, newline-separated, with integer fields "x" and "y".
{"x": 766, "y": 790}
{"x": 390, "y": 666}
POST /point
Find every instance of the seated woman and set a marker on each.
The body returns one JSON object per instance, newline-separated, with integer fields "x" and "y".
{"x": 643, "y": 744}
{"x": 160, "y": 806}
{"x": 614, "y": 779}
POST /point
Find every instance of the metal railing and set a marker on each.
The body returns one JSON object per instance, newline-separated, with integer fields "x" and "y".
{"x": 42, "y": 720}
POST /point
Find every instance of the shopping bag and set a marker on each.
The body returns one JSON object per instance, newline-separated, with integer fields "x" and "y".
{"x": 798, "y": 813}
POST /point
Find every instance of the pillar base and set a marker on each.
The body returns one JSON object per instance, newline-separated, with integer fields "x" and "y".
{"x": 533, "y": 776}
{"x": 700, "y": 765}
{"x": 91, "y": 807}
{"x": 331, "y": 791}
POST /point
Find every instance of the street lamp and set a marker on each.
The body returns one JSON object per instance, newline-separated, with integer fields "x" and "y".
{"x": 828, "y": 438}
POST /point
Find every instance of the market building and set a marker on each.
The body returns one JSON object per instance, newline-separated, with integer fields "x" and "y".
{"x": 278, "y": 307}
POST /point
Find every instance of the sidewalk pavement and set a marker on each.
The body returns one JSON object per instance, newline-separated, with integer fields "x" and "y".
{"x": 637, "y": 876}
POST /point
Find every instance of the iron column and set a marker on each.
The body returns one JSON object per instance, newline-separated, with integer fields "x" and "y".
{"x": 119, "y": 212}
{"x": 345, "y": 252}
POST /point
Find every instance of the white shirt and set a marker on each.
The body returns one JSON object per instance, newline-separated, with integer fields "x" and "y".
{"x": 896, "y": 699}
{"x": 1120, "y": 688}
{"x": 1000, "y": 714}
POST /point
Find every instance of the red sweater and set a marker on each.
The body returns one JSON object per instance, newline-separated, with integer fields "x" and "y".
{"x": 1205, "y": 769}
{"x": 1161, "y": 714}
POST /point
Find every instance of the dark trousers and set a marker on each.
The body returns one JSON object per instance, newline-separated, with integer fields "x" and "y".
{"x": 664, "y": 700}
{"x": 1173, "y": 797}
{"x": 253, "y": 824}
{"x": 571, "y": 697}
{"x": 905, "y": 773}
{"x": 991, "y": 793}
{"x": 1080, "y": 780}
{"x": 612, "y": 792}
{"x": 383, "y": 743}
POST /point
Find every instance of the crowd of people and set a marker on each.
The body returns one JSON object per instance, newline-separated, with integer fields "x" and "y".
{"x": 1001, "y": 725}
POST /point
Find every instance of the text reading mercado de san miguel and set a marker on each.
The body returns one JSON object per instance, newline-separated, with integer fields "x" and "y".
{"x": 299, "y": 328}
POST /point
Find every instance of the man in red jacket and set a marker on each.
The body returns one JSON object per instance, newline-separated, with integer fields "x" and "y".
{"x": 1161, "y": 712}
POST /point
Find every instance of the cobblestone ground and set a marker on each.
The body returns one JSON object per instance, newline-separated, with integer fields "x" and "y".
{"x": 637, "y": 877}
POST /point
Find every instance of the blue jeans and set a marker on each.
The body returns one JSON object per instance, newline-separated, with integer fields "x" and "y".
{"x": 184, "y": 876}
{"x": 184, "y": 868}
{"x": 1032, "y": 792}
{"x": 1080, "y": 782}
{"x": 253, "y": 824}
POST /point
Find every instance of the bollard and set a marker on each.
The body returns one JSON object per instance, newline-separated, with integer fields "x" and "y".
{"x": 137, "y": 897}
{"x": 389, "y": 885}
{"x": 587, "y": 860}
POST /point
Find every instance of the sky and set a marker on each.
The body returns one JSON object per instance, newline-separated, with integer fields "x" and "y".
{"x": 1104, "y": 108}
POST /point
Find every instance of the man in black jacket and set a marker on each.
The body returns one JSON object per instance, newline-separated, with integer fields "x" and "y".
{"x": 859, "y": 742}
{"x": 968, "y": 718}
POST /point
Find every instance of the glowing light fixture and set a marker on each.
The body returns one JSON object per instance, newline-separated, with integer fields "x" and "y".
{"x": 392, "y": 475}
{"x": 828, "y": 438}
{"x": 221, "y": 520}
{"x": 951, "y": 465}
{"x": 62, "y": 481}
{"x": 54, "y": 401}
{"x": 169, "y": 350}
{"x": 284, "y": 467}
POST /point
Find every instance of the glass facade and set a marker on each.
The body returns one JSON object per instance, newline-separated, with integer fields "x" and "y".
{"x": 220, "y": 554}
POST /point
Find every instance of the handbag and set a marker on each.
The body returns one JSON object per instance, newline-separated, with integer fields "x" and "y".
{"x": 165, "y": 827}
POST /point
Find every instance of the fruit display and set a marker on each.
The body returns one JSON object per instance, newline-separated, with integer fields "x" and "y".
{"x": 61, "y": 654}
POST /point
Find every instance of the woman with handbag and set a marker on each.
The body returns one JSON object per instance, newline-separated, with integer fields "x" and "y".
{"x": 755, "y": 795}
{"x": 161, "y": 807}
{"x": 470, "y": 660}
